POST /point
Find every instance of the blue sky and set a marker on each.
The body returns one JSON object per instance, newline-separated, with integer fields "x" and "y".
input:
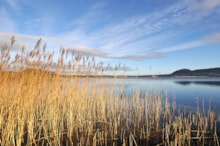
{"x": 149, "y": 36}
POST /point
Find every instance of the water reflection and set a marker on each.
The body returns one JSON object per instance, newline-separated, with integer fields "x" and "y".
{"x": 211, "y": 83}
{"x": 184, "y": 90}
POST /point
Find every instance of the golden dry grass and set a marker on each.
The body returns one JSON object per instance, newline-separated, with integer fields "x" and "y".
{"x": 38, "y": 107}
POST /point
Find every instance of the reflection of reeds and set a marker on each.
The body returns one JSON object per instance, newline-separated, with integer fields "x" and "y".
{"x": 39, "y": 107}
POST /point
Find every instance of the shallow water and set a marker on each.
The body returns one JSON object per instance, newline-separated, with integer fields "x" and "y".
{"x": 185, "y": 91}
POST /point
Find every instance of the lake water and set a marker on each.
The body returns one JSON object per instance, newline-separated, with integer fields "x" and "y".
{"x": 184, "y": 90}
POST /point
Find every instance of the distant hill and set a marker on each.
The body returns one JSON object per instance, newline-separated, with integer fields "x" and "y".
{"x": 211, "y": 72}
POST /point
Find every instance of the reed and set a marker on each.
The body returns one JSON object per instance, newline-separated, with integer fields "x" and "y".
{"x": 40, "y": 107}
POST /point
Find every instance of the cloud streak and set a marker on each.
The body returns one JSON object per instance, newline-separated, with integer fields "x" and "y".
{"x": 117, "y": 38}
{"x": 183, "y": 46}
{"x": 203, "y": 8}
{"x": 22, "y": 40}
{"x": 137, "y": 37}
{"x": 198, "y": 10}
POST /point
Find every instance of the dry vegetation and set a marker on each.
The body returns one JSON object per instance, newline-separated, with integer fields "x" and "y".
{"x": 38, "y": 107}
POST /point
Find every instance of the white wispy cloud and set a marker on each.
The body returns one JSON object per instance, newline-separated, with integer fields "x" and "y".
{"x": 197, "y": 10}
{"x": 149, "y": 55}
{"x": 182, "y": 46}
{"x": 137, "y": 37}
{"x": 203, "y": 8}
{"x": 88, "y": 51}
{"x": 113, "y": 37}
{"x": 29, "y": 42}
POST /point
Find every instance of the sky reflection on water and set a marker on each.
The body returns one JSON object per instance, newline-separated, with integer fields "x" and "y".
{"x": 184, "y": 90}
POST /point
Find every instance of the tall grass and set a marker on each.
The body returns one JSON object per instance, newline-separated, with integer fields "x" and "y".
{"x": 40, "y": 107}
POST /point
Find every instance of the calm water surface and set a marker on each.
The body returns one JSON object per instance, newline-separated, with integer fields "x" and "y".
{"x": 184, "y": 90}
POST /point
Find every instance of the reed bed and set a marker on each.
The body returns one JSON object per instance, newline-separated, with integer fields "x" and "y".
{"x": 40, "y": 107}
